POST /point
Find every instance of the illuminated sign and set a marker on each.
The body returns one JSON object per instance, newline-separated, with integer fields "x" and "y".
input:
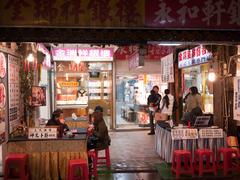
{"x": 68, "y": 84}
{"x": 195, "y": 56}
{"x": 84, "y": 54}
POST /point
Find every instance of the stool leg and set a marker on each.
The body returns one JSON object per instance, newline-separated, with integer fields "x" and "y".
{"x": 186, "y": 160}
{"x": 191, "y": 166}
{"x": 225, "y": 164}
{"x": 200, "y": 173}
{"x": 178, "y": 166}
{"x": 107, "y": 155}
{"x": 208, "y": 161}
{"x": 95, "y": 173}
{"x": 214, "y": 165}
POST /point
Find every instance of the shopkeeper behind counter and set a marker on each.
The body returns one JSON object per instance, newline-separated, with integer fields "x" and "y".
{"x": 58, "y": 120}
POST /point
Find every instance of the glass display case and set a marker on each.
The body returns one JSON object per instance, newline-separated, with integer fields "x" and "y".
{"x": 71, "y": 85}
{"x": 83, "y": 86}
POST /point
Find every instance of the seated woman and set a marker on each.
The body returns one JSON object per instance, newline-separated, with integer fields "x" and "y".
{"x": 58, "y": 120}
{"x": 99, "y": 138}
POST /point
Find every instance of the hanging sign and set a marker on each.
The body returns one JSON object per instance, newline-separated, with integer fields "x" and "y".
{"x": 179, "y": 134}
{"x": 167, "y": 71}
{"x": 195, "y": 56}
{"x": 135, "y": 61}
{"x": 42, "y": 133}
{"x": 47, "y": 60}
{"x": 84, "y": 54}
{"x": 236, "y": 98}
{"x": 68, "y": 84}
{"x": 3, "y": 65}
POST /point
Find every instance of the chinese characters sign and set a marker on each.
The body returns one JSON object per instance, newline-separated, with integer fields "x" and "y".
{"x": 135, "y": 61}
{"x": 190, "y": 57}
{"x": 167, "y": 71}
{"x": 14, "y": 92}
{"x": 79, "y": 13}
{"x": 179, "y": 134}
{"x": 154, "y": 52}
{"x": 68, "y": 84}
{"x": 236, "y": 98}
{"x": 210, "y": 133}
{"x": 84, "y": 54}
{"x": 197, "y": 14}
{"x": 42, "y": 133}
{"x": 209, "y": 14}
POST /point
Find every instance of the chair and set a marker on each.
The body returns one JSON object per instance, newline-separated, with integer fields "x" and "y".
{"x": 16, "y": 167}
{"x": 228, "y": 155}
{"x": 93, "y": 170}
{"x": 106, "y": 157}
{"x": 199, "y": 161}
{"x": 72, "y": 167}
{"x": 177, "y": 161}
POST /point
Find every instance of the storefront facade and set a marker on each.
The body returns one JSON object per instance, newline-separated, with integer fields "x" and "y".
{"x": 195, "y": 67}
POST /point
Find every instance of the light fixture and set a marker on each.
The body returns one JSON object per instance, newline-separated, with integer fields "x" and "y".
{"x": 30, "y": 57}
{"x": 77, "y": 59}
{"x": 169, "y": 44}
{"x": 211, "y": 74}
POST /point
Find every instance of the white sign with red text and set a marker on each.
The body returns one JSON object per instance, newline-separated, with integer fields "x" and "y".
{"x": 236, "y": 98}
{"x": 195, "y": 56}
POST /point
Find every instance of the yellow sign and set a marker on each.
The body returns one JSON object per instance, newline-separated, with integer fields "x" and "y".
{"x": 68, "y": 84}
{"x": 80, "y": 13}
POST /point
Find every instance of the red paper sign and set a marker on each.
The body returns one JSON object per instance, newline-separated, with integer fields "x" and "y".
{"x": 209, "y": 14}
{"x": 154, "y": 52}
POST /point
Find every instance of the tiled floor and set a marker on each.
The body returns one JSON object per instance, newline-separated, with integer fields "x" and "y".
{"x": 133, "y": 150}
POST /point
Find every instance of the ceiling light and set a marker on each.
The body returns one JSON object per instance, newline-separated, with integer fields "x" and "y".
{"x": 169, "y": 44}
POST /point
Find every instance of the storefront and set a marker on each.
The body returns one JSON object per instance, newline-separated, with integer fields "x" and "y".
{"x": 83, "y": 80}
{"x": 195, "y": 65}
{"x": 134, "y": 81}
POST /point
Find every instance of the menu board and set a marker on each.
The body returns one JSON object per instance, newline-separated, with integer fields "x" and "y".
{"x": 14, "y": 92}
{"x": 42, "y": 133}
{"x": 3, "y": 95}
{"x": 179, "y": 134}
{"x": 211, "y": 133}
{"x": 167, "y": 70}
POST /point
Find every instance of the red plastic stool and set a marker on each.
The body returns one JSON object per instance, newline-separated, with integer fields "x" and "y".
{"x": 199, "y": 160}
{"x": 106, "y": 157}
{"x": 16, "y": 167}
{"x": 73, "y": 165}
{"x": 176, "y": 162}
{"x": 228, "y": 156}
{"x": 93, "y": 156}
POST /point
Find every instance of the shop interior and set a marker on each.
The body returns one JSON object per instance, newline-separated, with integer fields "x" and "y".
{"x": 131, "y": 99}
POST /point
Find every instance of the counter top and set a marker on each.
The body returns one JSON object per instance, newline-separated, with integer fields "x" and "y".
{"x": 79, "y": 136}
{"x": 78, "y": 119}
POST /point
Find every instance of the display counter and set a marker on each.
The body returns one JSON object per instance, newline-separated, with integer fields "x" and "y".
{"x": 165, "y": 144}
{"x": 48, "y": 159}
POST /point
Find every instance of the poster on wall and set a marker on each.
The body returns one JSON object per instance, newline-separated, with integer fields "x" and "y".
{"x": 167, "y": 70}
{"x": 236, "y": 98}
{"x": 14, "y": 92}
{"x": 3, "y": 96}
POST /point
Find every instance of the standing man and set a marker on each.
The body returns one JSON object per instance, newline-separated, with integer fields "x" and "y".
{"x": 153, "y": 102}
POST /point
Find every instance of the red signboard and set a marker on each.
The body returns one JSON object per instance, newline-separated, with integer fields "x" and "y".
{"x": 209, "y": 14}
{"x": 190, "y": 57}
{"x": 154, "y": 52}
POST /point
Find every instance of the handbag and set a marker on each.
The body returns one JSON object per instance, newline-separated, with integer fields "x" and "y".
{"x": 92, "y": 141}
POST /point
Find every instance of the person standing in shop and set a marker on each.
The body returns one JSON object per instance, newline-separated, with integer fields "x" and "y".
{"x": 153, "y": 102}
{"x": 193, "y": 106}
{"x": 166, "y": 105}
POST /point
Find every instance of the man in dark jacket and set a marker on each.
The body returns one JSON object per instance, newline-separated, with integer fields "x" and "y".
{"x": 153, "y": 102}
